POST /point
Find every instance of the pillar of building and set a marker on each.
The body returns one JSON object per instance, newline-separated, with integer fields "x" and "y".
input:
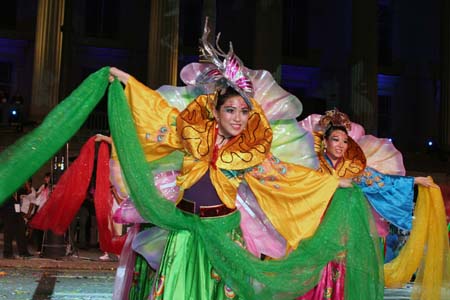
{"x": 67, "y": 29}
{"x": 47, "y": 58}
{"x": 444, "y": 118}
{"x": 163, "y": 43}
{"x": 364, "y": 65}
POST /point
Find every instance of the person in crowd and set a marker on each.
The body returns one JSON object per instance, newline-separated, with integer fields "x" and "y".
{"x": 28, "y": 202}
{"x": 42, "y": 196}
{"x": 28, "y": 205}
{"x": 44, "y": 191}
{"x": 13, "y": 228}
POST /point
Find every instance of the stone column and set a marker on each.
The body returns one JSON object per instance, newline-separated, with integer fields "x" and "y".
{"x": 364, "y": 65}
{"x": 47, "y": 58}
{"x": 444, "y": 118}
{"x": 163, "y": 43}
{"x": 67, "y": 46}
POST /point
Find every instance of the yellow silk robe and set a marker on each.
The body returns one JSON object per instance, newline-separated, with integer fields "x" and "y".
{"x": 293, "y": 197}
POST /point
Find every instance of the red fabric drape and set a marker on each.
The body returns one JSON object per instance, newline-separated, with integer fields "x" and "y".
{"x": 103, "y": 200}
{"x": 68, "y": 195}
{"x": 70, "y": 192}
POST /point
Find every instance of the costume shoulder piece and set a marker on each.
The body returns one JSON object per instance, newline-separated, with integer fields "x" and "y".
{"x": 195, "y": 125}
{"x": 197, "y": 129}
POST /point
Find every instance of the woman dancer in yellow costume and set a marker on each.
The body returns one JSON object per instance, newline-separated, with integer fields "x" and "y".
{"x": 226, "y": 140}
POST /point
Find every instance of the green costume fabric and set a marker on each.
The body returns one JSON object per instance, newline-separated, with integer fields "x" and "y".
{"x": 346, "y": 229}
{"x": 185, "y": 261}
{"x": 143, "y": 277}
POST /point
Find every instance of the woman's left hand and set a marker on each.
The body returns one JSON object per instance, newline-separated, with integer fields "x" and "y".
{"x": 121, "y": 75}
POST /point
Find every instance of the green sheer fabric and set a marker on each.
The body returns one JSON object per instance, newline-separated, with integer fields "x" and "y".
{"x": 346, "y": 228}
{"x": 22, "y": 159}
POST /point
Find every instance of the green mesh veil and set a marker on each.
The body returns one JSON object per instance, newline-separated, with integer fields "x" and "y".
{"x": 346, "y": 228}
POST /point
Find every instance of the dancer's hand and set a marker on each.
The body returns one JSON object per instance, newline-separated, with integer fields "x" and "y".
{"x": 424, "y": 181}
{"x": 102, "y": 138}
{"x": 119, "y": 74}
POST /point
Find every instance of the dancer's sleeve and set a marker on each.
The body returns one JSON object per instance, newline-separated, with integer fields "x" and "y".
{"x": 293, "y": 197}
{"x": 390, "y": 195}
{"x": 154, "y": 119}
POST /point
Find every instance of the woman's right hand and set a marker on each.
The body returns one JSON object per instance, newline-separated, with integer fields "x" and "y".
{"x": 119, "y": 74}
{"x": 103, "y": 138}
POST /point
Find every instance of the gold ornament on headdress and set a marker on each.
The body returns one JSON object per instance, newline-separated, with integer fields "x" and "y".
{"x": 336, "y": 118}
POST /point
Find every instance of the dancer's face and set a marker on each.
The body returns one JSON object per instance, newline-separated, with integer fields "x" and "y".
{"x": 232, "y": 116}
{"x": 336, "y": 145}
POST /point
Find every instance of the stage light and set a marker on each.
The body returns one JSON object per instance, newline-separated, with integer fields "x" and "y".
{"x": 15, "y": 118}
{"x": 430, "y": 143}
{"x": 390, "y": 140}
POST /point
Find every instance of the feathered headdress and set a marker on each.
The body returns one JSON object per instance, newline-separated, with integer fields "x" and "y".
{"x": 226, "y": 69}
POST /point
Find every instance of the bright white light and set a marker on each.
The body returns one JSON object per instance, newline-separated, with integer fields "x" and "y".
{"x": 390, "y": 140}
{"x": 430, "y": 143}
{"x": 14, "y": 112}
